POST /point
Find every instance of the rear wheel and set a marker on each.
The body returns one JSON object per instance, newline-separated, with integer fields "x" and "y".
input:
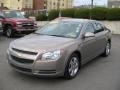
{"x": 72, "y": 67}
{"x": 107, "y": 49}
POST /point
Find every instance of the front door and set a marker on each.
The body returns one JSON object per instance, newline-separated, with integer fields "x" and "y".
{"x": 88, "y": 45}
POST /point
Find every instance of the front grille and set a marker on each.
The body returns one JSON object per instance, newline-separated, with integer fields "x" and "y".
{"x": 27, "y": 25}
{"x": 25, "y": 52}
{"x": 21, "y": 69}
{"x": 21, "y": 60}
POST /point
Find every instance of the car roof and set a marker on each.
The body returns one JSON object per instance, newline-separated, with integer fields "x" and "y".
{"x": 74, "y": 19}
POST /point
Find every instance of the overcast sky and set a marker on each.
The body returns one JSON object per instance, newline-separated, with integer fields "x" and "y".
{"x": 87, "y": 2}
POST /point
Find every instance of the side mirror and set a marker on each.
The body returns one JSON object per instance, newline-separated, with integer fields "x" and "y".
{"x": 89, "y": 34}
{"x": 2, "y": 17}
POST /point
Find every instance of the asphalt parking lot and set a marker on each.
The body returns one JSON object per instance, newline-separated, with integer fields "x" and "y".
{"x": 100, "y": 74}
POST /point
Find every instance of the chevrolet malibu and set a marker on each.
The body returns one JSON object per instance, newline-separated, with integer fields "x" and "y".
{"x": 60, "y": 48}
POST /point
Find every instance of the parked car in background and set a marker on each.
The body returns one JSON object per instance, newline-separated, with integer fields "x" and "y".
{"x": 14, "y": 22}
{"x": 1, "y": 30}
{"x": 60, "y": 48}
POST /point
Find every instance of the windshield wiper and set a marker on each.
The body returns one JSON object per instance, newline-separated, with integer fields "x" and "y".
{"x": 52, "y": 35}
{"x": 38, "y": 33}
{"x": 60, "y": 36}
{"x": 57, "y": 35}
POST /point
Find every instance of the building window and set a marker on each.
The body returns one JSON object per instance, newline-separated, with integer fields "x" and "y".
{"x": 54, "y": 3}
{"x": 26, "y": 6}
{"x": 2, "y": 4}
{"x": 45, "y": 7}
{"x": 18, "y": 0}
{"x": 63, "y": 4}
{"x": 45, "y": 2}
{"x": 26, "y": 0}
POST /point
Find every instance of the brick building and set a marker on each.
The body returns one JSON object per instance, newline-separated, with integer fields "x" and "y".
{"x": 38, "y": 4}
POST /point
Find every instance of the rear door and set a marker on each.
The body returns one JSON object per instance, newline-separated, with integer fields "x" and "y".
{"x": 100, "y": 37}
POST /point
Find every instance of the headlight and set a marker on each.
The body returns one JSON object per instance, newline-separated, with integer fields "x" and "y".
{"x": 18, "y": 23}
{"x": 10, "y": 48}
{"x": 35, "y": 24}
{"x": 54, "y": 55}
{"x": 0, "y": 23}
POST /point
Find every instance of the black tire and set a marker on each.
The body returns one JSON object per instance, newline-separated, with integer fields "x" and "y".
{"x": 107, "y": 49}
{"x": 4, "y": 32}
{"x": 67, "y": 74}
{"x": 9, "y": 31}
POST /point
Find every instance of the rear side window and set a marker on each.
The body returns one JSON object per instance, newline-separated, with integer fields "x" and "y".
{"x": 98, "y": 27}
{"x": 90, "y": 28}
{"x": 1, "y": 15}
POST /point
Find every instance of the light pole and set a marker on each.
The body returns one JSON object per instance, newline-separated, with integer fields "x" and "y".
{"x": 59, "y": 8}
{"x": 91, "y": 4}
{"x": 92, "y": 1}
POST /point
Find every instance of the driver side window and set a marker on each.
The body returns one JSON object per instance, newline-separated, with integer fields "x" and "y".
{"x": 1, "y": 15}
{"x": 90, "y": 28}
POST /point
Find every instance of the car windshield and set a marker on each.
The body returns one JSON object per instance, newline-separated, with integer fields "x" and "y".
{"x": 66, "y": 29}
{"x": 13, "y": 14}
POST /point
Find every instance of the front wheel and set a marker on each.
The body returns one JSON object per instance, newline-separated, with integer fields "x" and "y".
{"x": 9, "y": 32}
{"x": 72, "y": 67}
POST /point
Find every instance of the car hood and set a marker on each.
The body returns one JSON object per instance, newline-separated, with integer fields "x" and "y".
{"x": 43, "y": 43}
{"x": 21, "y": 19}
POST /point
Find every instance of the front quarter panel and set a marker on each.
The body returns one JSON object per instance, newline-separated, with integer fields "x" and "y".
{"x": 70, "y": 49}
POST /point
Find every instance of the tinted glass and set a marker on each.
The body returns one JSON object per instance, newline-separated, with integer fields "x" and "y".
{"x": 1, "y": 14}
{"x": 13, "y": 14}
{"x": 90, "y": 28}
{"x": 98, "y": 27}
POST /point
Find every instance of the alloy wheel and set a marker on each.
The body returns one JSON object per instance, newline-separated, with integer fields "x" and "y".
{"x": 73, "y": 66}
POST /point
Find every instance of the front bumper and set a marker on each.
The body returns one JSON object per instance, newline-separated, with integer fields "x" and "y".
{"x": 20, "y": 30}
{"x": 25, "y": 29}
{"x": 38, "y": 68}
